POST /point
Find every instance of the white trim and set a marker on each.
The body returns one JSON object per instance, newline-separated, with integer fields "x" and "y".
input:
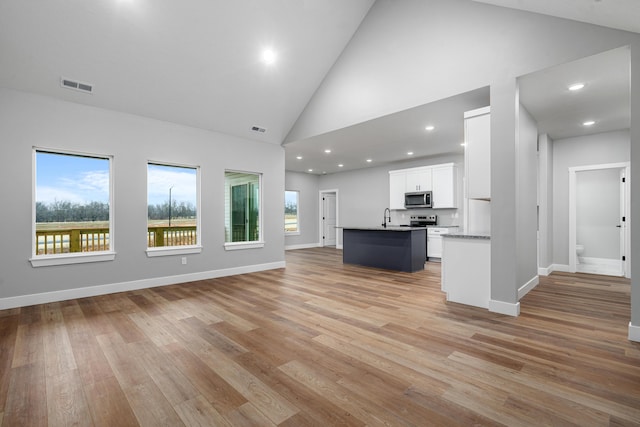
{"x": 634, "y": 333}
{"x": 173, "y": 250}
{"x": 527, "y": 287}
{"x": 302, "y": 246}
{"x": 90, "y": 291}
{"x": 339, "y": 246}
{"x": 502, "y": 307}
{"x": 477, "y": 112}
{"x": 321, "y": 226}
{"x": 71, "y": 258}
{"x": 236, "y": 246}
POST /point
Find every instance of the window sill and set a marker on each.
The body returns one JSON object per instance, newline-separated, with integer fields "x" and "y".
{"x": 173, "y": 250}
{"x": 235, "y": 246}
{"x": 291, "y": 233}
{"x": 74, "y": 258}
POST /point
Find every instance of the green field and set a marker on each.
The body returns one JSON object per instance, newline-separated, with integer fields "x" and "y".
{"x": 88, "y": 225}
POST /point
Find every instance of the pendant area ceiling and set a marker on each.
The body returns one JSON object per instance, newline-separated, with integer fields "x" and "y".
{"x": 197, "y": 63}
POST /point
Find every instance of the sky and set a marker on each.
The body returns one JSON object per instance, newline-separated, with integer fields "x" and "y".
{"x": 85, "y": 179}
{"x": 290, "y": 197}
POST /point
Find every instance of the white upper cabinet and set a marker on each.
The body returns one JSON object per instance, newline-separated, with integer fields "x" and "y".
{"x": 397, "y": 187}
{"x": 419, "y": 180}
{"x": 477, "y": 153}
{"x": 439, "y": 179}
{"x": 444, "y": 186}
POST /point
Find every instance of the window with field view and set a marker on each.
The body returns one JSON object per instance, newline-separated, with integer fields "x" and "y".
{"x": 291, "y": 220}
{"x": 72, "y": 203}
{"x": 242, "y": 207}
{"x": 172, "y": 206}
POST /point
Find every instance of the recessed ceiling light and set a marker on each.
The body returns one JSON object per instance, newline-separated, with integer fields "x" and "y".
{"x": 589, "y": 123}
{"x": 464, "y": 144}
{"x": 299, "y": 157}
{"x": 340, "y": 165}
{"x": 309, "y": 170}
{"x": 327, "y": 151}
{"x": 369, "y": 160}
{"x": 430, "y": 128}
{"x": 268, "y": 56}
{"x": 576, "y": 86}
{"x": 409, "y": 153}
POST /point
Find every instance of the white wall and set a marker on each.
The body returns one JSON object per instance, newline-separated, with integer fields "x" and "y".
{"x": 545, "y": 202}
{"x": 609, "y": 147}
{"x": 308, "y": 209}
{"x": 28, "y": 120}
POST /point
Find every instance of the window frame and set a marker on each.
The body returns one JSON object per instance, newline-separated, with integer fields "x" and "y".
{"x": 254, "y": 244}
{"x": 72, "y": 257}
{"x": 177, "y": 250}
{"x": 297, "y": 232}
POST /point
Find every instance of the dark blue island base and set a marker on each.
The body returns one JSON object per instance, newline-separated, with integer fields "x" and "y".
{"x": 391, "y": 248}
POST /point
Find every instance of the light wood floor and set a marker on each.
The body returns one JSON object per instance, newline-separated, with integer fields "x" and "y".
{"x": 320, "y": 343}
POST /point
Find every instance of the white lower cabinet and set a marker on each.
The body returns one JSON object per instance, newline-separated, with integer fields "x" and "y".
{"x": 466, "y": 271}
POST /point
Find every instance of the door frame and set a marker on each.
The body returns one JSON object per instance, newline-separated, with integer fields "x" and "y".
{"x": 320, "y": 220}
{"x": 572, "y": 213}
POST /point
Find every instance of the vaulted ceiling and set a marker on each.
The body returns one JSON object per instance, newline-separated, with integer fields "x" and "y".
{"x": 197, "y": 62}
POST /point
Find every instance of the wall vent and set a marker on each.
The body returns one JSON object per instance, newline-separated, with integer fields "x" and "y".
{"x": 76, "y": 85}
{"x": 258, "y": 129}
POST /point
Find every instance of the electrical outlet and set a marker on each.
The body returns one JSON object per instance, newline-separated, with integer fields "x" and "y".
{"x": 184, "y": 260}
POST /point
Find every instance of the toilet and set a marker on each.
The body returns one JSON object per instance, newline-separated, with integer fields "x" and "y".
{"x": 579, "y": 252}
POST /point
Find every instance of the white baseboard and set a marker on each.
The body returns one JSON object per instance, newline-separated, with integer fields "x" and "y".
{"x": 634, "y": 333}
{"x": 605, "y": 262}
{"x": 303, "y": 246}
{"x": 527, "y": 287}
{"x": 502, "y": 307}
{"x": 91, "y": 291}
{"x": 545, "y": 271}
{"x": 560, "y": 267}
{"x": 338, "y": 246}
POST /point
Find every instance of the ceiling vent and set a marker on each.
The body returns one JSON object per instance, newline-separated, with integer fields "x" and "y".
{"x": 258, "y": 129}
{"x": 76, "y": 85}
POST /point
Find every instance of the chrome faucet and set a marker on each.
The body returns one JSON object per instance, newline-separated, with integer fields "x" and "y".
{"x": 384, "y": 224}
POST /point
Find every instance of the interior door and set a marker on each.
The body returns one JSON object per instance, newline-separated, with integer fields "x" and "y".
{"x": 329, "y": 219}
{"x": 599, "y": 229}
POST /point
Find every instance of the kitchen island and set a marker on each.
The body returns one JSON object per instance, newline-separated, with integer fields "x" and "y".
{"x": 391, "y": 248}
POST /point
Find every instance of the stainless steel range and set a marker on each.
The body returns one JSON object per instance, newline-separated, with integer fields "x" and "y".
{"x": 423, "y": 220}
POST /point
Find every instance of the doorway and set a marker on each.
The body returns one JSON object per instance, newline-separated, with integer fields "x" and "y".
{"x": 598, "y": 219}
{"x": 328, "y": 218}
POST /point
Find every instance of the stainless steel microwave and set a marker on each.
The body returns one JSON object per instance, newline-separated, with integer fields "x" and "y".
{"x": 418, "y": 199}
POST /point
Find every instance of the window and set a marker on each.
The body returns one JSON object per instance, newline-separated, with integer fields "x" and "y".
{"x": 172, "y": 209}
{"x": 243, "y": 210}
{"x": 291, "y": 221}
{"x": 72, "y": 208}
